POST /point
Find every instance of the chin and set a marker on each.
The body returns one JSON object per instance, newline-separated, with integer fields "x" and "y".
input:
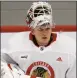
{"x": 45, "y": 43}
{"x": 45, "y": 40}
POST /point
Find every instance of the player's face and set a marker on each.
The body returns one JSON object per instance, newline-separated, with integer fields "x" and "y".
{"x": 42, "y": 35}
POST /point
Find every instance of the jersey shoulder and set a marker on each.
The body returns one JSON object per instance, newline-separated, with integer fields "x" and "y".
{"x": 20, "y": 41}
{"x": 66, "y": 43}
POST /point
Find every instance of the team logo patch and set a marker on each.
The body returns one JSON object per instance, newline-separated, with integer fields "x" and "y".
{"x": 40, "y": 69}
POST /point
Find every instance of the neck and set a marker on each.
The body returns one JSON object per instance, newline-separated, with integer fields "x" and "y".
{"x": 41, "y": 44}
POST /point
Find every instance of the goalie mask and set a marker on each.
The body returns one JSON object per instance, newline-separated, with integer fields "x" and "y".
{"x": 40, "y": 13}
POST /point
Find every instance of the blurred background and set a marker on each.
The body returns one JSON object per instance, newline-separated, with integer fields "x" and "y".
{"x": 14, "y": 12}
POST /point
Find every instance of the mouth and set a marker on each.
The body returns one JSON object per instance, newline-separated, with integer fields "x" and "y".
{"x": 44, "y": 37}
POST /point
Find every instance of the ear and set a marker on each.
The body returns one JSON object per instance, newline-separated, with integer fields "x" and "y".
{"x": 32, "y": 31}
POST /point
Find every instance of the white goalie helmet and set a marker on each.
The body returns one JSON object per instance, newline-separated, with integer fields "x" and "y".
{"x": 38, "y": 14}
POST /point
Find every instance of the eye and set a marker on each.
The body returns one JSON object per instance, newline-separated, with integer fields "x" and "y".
{"x": 40, "y": 29}
{"x": 47, "y": 28}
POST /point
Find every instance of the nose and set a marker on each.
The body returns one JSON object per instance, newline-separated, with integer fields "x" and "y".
{"x": 43, "y": 30}
{"x": 44, "y": 33}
